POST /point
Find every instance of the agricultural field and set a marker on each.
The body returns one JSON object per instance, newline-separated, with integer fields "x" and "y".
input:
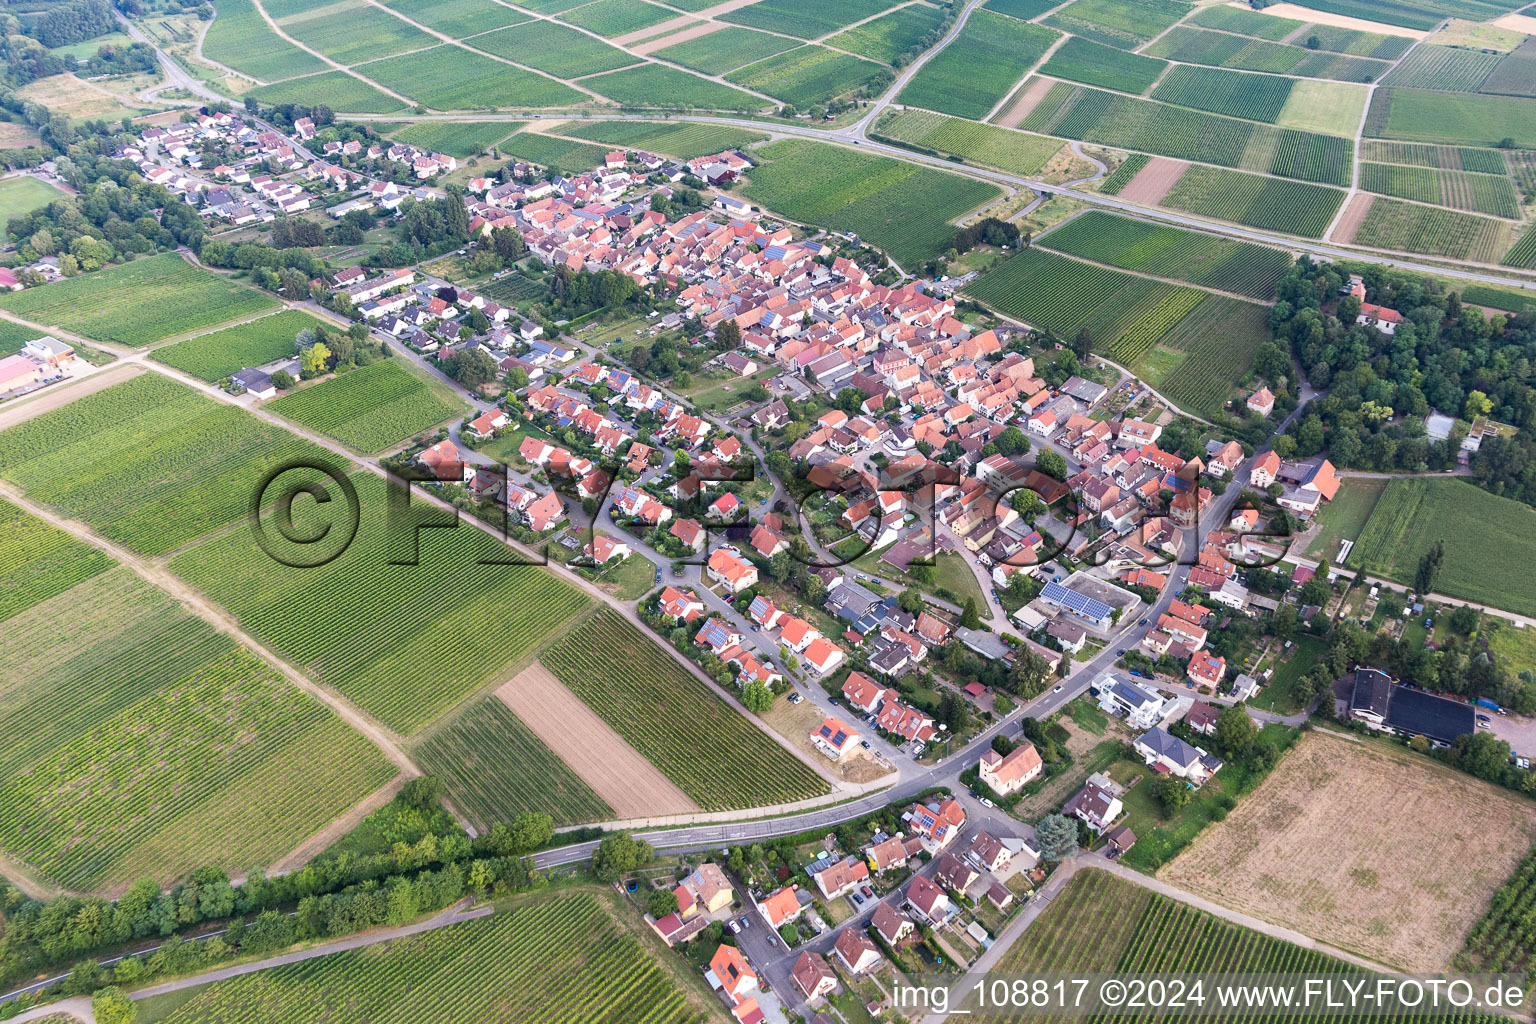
{"x": 373, "y": 408}
{"x": 140, "y": 742}
{"x": 1523, "y": 252}
{"x": 561, "y": 154}
{"x": 1420, "y": 115}
{"x": 972, "y": 74}
{"x": 807, "y": 19}
{"x": 240, "y": 39}
{"x": 1122, "y": 23}
{"x": 1198, "y": 363}
{"x": 1234, "y": 93}
{"x": 460, "y": 139}
{"x": 1515, "y": 75}
{"x": 373, "y": 630}
{"x": 351, "y": 95}
{"x": 353, "y": 34}
{"x": 111, "y": 304}
{"x": 617, "y": 17}
{"x": 725, "y": 50}
{"x": 1416, "y": 849}
{"x": 1024, "y": 10}
{"x": 1333, "y": 108}
{"x": 14, "y": 336}
{"x": 1082, "y": 60}
{"x": 562, "y": 958}
{"x": 1443, "y": 67}
{"x": 1459, "y": 190}
{"x": 495, "y": 767}
{"x": 1125, "y": 122}
{"x": 1245, "y": 22}
{"x": 149, "y": 463}
{"x": 652, "y": 85}
{"x": 809, "y": 75}
{"x": 1201, "y": 259}
{"x": 1345, "y": 516}
{"x": 213, "y": 357}
{"x": 457, "y": 18}
{"x": 1271, "y": 203}
{"x": 1218, "y": 49}
{"x": 39, "y": 561}
{"x": 1477, "y": 528}
{"x": 1392, "y": 224}
{"x": 1502, "y": 941}
{"x": 904, "y": 209}
{"x": 554, "y": 48}
{"x": 1121, "y": 176}
{"x": 1500, "y": 298}
{"x": 684, "y": 140}
{"x": 452, "y": 78}
{"x": 22, "y": 195}
{"x": 1450, "y": 158}
{"x": 1355, "y": 42}
{"x": 1003, "y": 148}
{"x": 1420, "y": 15}
{"x": 624, "y": 677}
{"x": 886, "y": 38}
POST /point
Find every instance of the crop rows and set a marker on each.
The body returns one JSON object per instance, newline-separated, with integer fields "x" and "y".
{"x": 1234, "y": 93}
{"x": 617, "y": 17}
{"x": 1424, "y": 115}
{"x": 355, "y": 34}
{"x": 550, "y": 46}
{"x": 1121, "y": 23}
{"x": 1459, "y": 190}
{"x": 1391, "y": 224}
{"x": 887, "y": 38}
{"x": 1255, "y": 200}
{"x": 1415, "y": 14}
{"x": 350, "y": 94}
{"x": 1171, "y": 252}
{"x": 969, "y": 76}
{"x": 1219, "y": 340}
{"x": 496, "y": 767}
{"x": 808, "y": 75}
{"x": 148, "y": 462}
{"x": 457, "y": 18}
{"x": 215, "y": 356}
{"x": 452, "y": 78}
{"x": 1106, "y": 66}
{"x": 807, "y": 19}
{"x": 677, "y": 723}
{"x": 1443, "y": 67}
{"x": 1122, "y": 175}
{"x": 456, "y": 138}
{"x": 140, "y": 742}
{"x": 1516, "y": 73}
{"x": 561, "y": 960}
{"x": 1523, "y": 253}
{"x": 38, "y": 561}
{"x": 1146, "y": 323}
{"x": 726, "y": 49}
{"x": 979, "y": 143}
{"x": 557, "y": 154}
{"x": 1449, "y": 158}
{"x": 684, "y": 140}
{"x": 1357, "y": 43}
{"x": 370, "y": 409}
{"x": 652, "y": 85}
{"x": 1218, "y": 49}
{"x": 240, "y": 39}
{"x": 1245, "y": 22}
{"x": 1499, "y": 298}
{"x": 1504, "y": 940}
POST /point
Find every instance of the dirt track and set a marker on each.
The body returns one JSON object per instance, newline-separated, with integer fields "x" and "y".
{"x": 1353, "y": 217}
{"x": 1154, "y": 181}
{"x": 1025, "y": 105}
{"x": 703, "y": 28}
{"x": 12, "y": 413}
{"x": 1307, "y": 14}
{"x": 630, "y": 784}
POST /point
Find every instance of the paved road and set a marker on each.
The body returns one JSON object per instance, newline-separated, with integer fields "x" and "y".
{"x": 176, "y": 76}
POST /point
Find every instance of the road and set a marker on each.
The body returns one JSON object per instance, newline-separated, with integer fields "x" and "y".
{"x": 176, "y": 76}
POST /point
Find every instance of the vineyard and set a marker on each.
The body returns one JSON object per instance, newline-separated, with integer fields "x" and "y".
{"x": 140, "y": 302}
{"x": 561, "y": 959}
{"x": 1219, "y": 49}
{"x": 558, "y": 154}
{"x": 558, "y": 49}
{"x": 215, "y": 356}
{"x": 970, "y": 75}
{"x": 1234, "y": 93}
{"x": 456, "y": 138}
{"x": 902, "y": 208}
{"x": 348, "y": 93}
{"x": 979, "y": 143}
{"x": 451, "y": 78}
{"x": 726, "y": 49}
{"x": 1245, "y": 22}
{"x": 375, "y": 631}
{"x": 808, "y": 75}
{"x": 1449, "y": 158}
{"x": 705, "y": 746}
{"x": 1122, "y": 175}
{"x": 1391, "y": 224}
{"x": 808, "y": 19}
{"x": 371, "y": 408}
{"x": 148, "y": 462}
{"x": 652, "y": 85}
{"x": 38, "y": 561}
{"x": 1217, "y": 344}
{"x": 1106, "y": 66}
{"x": 496, "y": 767}
{"x": 1166, "y": 251}
{"x": 1121, "y": 23}
{"x": 684, "y": 141}
{"x": 1255, "y": 200}
{"x": 352, "y": 35}
{"x": 139, "y": 742}
{"x": 458, "y": 18}
{"x": 1443, "y": 67}
{"x": 1459, "y": 190}
{"x": 1523, "y": 253}
{"x": 887, "y": 38}
{"x": 1423, "y": 115}
{"x": 1504, "y": 940}
{"x": 616, "y": 17}
{"x": 1516, "y": 73}
{"x": 242, "y": 40}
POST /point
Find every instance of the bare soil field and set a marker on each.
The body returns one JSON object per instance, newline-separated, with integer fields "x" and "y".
{"x": 1353, "y": 217}
{"x": 667, "y": 27}
{"x": 1028, "y": 98}
{"x": 1366, "y": 847}
{"x": 1300, "y": 13}
{"x": 1154, "y": 181}
{"x": 1523, "y": 23}
{"x": 661, "y": 42}
{"x": 627, "y": 782}
{"x": 795, "y": 721}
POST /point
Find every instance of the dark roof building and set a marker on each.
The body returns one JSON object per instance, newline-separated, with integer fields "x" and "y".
{"x": 1383, "y": 704}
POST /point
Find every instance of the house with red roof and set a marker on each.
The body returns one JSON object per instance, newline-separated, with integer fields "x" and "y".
{"x": 864, "y": 694}
{"x": 1011, "y": 772}
{"x": 488, "y": 422}
{"x": 858, "y": 954}
{"x": 823, "y": 656}
{"x": 447, "y": 463}
{"x": 1262, "y": 402}
{"x": 603, "y": 549}
{"x": 937, "y": 822}
{"x": 834, "y": 739}
{"x": 545, "y": 513}
{"x": 797, "y": 634}
{"x": 781, "y": 906}
{"x": 928, "y": 900}
{"x": 682, "y": 605}
{"x": 732, "y": 975}
{"x": 814, "y": 976}
{"x": 690, "y": 532}
{"x": 725, "y": 567}
{"x": 1206, "y": 670}
{"x": 1382, "y": 318}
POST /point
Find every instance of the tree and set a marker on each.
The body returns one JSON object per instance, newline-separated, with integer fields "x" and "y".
{"x": 1283, "y": 624}
{"x": 1235, "y": 731}
{"x": 728, "y": 335}
{"x": 314, "y": 360}
{"x": 112, "y": 1006}
{"x": 617, "y": 853}
{"x": 661, "y": 902}
{"x": 756, "y": 696}
{"x": 1429, "y": 568}
{"x": 1478, "y": 404}
{"x": 970, "y": 618}
{"x": 1171, "y": 792}
{"x": 530, "y": 830}
{"x": 1028, "y": 676}
{"x": 1052, "y": 463}
{"x": 1056, "y": 837}
{"x": 911, "y": 600}
{"x": 1028, "y": 505}
{"x": 475, "y": 368}
{"x": 425, "y": 792}
{"x": 1082, "y": 345}
{"x": 282, "y": 380}
{"x": 1012, "y": 441}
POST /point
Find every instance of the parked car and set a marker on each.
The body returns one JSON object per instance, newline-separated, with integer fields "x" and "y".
{"x": 864, "y": 744}
{"x": 986, "y": 802}
{"x": 735, "y": 927}
{"x": 1057, "y": 689}
{"x": 1484, "y": 718}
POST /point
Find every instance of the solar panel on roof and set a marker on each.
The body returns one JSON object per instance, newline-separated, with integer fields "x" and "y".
{"x": 1079, "y": 603}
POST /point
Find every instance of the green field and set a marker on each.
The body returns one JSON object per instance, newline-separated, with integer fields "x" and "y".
{"x": 215, "y": 356}
{"x": 1507, "y": 299}
{"x": 807, "y": 19}
{"x": 886, "y": 38}
{"x": 652, "y": 85}
{"x": 560, "y": 959}
{"x": 138, "y": 742}
{"x": 1123, "y": 23}
{"x": 149, "y": 462}
{"x": 23, "y": 195}
{"x": 350, "y": 94}
{"x": 354, "y": 34}
{"x": 1392, "y": 224}
{"x": 1459, "y": 190}
{"x": 373, "y": 408}
{"x": 617, "y": 17}
{"x": 1003, "y": 148}
{"x": 1450, "y": 158}
{"x": 1126, "y": 122}
{"x": 1245, "y": 22}
{"x": 624, "y": 677}
{"x": 969, "y": 76}
{"x": 1108, "y": 67}
{"x": 239, "y": 38}
{"x": 904, "y": 209}
{"x": 1234, "y": 93}
{"x": 1198, "y": 363}
{"x": 684, "y": 140}
{"x": 495, "y": 768}
{"x": 39, "y": 561}
{"x": 1201, "y": 259}
{"x": 809, "y": 75}
{"x": 1024, "y": 10}
{"x": 558, "y": 49}
{"x": 1414, "y": 14}
{"x": 456, "y": 138}
{"x": 1477, "y": 529}
{"x": 458, "y": 18}
{"x": 1345, "y": 516}
{"x": 1121, "y": 176}
{"x": 1443, "y": 67}
{"x": 1522, "y": 253}
{"x": 452, "y": 78}
{"x": 376, "y": 631}
{"x": 560, "y": 154}
{"x": 1516, "y": 73}
{"x": 726, "y": 49}
{"x": 1356, "y": 43}
{"x": 1253, "y": 199}
{"x": 1420, "y": 115}
{"x": 109, "y": 304}
{"x": 1219, "y": 49}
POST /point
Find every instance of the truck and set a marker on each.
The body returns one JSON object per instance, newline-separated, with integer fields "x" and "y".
{"x": 1484, "y": 702}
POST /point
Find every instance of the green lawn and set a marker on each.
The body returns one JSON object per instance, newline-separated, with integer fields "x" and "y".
{"x": 1279, "y": 694}
{"x": 629, "y": 580}
{"x": 23, "y": 195}
{"x": 1344, "y": 517}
